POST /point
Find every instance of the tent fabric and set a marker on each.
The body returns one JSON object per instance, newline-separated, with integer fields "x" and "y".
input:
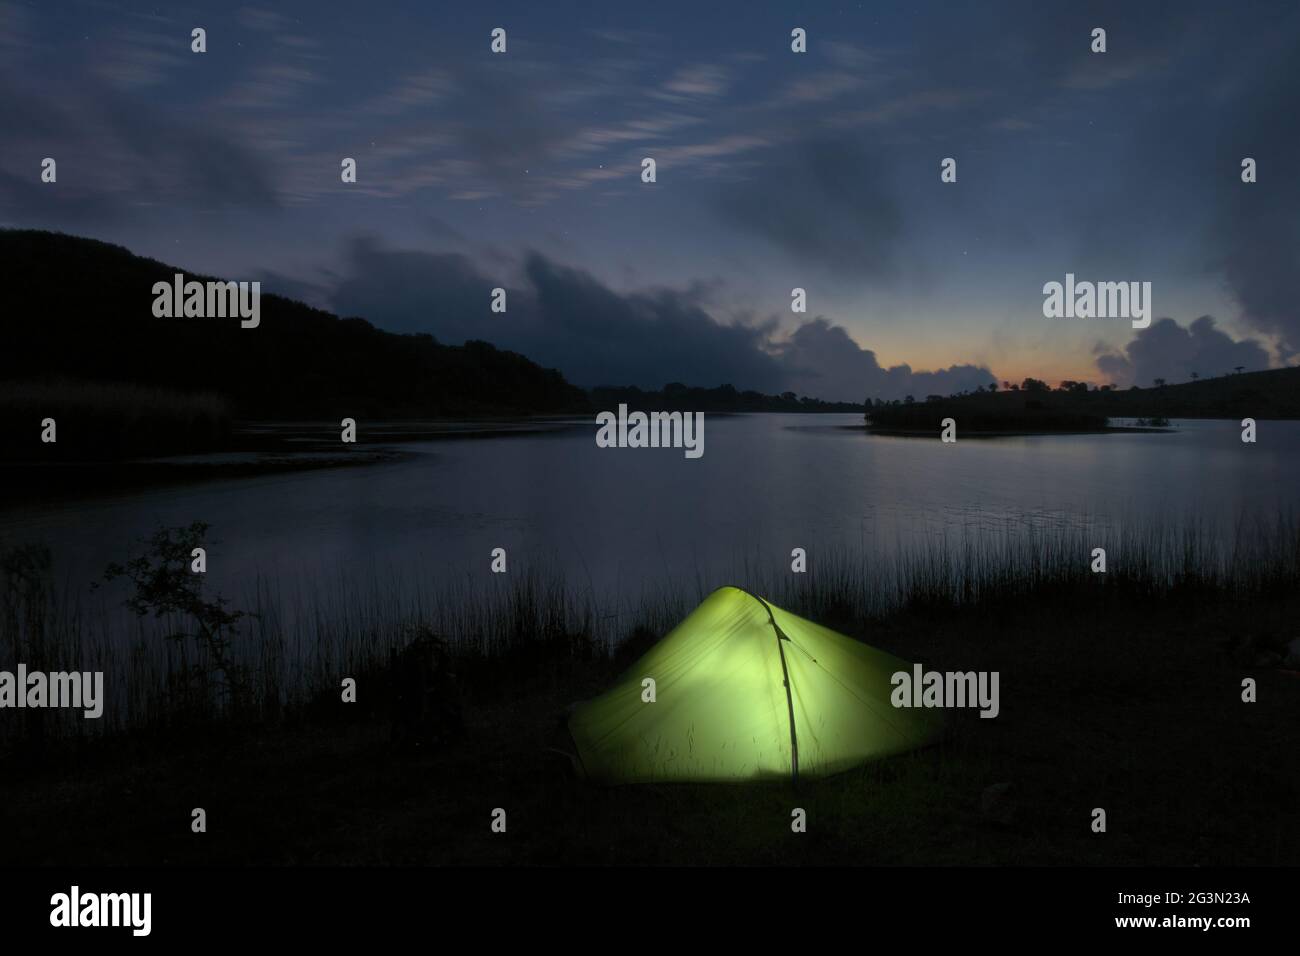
{"x": 721, "y": 710}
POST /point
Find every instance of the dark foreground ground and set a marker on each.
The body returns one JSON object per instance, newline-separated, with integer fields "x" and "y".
{"x": 1135, "y": 711}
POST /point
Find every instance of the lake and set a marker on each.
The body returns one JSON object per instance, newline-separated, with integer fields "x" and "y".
{"x": 629, "y": 520}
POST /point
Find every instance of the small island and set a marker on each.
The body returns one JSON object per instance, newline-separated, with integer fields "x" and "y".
{"x": 1034, "y": 408}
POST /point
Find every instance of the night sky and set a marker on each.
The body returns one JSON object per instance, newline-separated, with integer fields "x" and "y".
{"x": 775, "y": 170}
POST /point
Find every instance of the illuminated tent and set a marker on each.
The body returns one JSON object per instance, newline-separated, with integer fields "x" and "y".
{"x": 746, "y": 691}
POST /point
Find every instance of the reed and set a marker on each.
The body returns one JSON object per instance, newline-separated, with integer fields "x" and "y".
{"x": 293, "y": 647}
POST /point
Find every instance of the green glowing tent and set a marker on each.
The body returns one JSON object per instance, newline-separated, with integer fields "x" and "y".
{"x": 746, "y": 691}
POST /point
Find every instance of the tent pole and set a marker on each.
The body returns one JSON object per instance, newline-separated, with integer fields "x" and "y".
{"x": 789, "y": 702}
{"x": 785, "y": 680}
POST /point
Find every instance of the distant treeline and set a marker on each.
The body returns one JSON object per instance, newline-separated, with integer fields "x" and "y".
{"x": 1034, "y": 406}
{"x": 676, "y": 397}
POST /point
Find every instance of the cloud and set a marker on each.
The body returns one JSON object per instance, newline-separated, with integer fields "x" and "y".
{"x": 1170, "y": 351}
{"x": 418, "y": 89}
{"x": 819, "y": 88}
{"x": 565, "y": 318}
{"x": 601, "y": 336}
{"x": 262, "y": 20}
{"x": 1012, "y": 124}
{"x": 557, "y": 316}
{"x": 134, "y": 59}
{"x": 272, "y": 86}
{"x": 117, "y": 153}
{"x": 826, "y": 204}
{"x": 1232, "y": 97}
{"x": 908, "y": 106}
{"x": 1255, "y": 236}
{"x": 409, "y": 291}
{"x": 821, "y": 359}
{"x": 695, "y": 81}
{"x": 112, "y": 163}
{"x": 1098, "y": 73}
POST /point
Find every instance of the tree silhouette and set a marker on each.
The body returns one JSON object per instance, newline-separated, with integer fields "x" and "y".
{"x": 163, "y": 585}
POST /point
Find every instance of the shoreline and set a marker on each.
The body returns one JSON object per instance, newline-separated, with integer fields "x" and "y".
{"x": 1002, "y": 791}
{"x": 262, "y": 448}
{"x": 29, "y": 483}
{"x": 1008, "y": 433}
{"x": 257, "y": 449}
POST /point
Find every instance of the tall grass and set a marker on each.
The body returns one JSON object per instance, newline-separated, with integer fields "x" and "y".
{"x": 296, "y": 646}
{"x": 99, "y": 421}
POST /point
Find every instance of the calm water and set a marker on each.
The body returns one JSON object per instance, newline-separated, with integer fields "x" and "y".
{"x": 631, "y": 519}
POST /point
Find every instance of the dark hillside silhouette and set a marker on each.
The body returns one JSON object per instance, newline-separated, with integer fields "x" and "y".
{"x": 80, "y": 309}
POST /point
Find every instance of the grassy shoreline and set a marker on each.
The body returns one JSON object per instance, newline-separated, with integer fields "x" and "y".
{"x": 1119, "y": 690}
{"x": 1188, "y": 774}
